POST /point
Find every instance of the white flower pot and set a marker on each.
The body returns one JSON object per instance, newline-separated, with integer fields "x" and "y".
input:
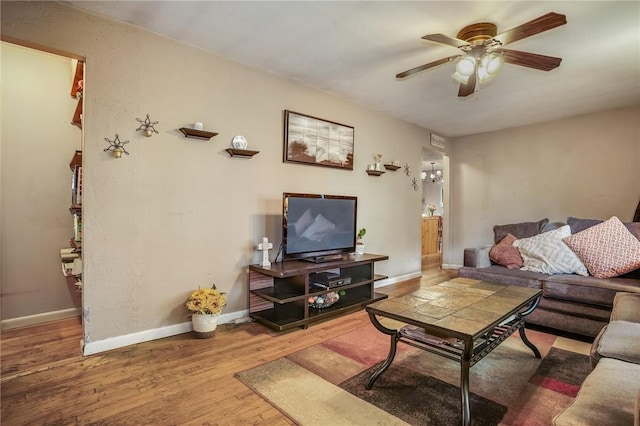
{"x": 204, "y": 325}
{"x": 359, "y": 248}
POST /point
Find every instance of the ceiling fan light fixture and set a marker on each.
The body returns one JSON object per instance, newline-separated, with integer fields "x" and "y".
{"x": 490, "y": 65}
{"x": 463, "y": 79}
{"x": 483, "y": 53}
{"x": 483, "y": 75}
{"x": 466, "y": 66}
{"x": 492, "y": 62}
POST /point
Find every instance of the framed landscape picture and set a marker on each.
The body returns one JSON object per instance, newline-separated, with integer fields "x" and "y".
{"x": 311, "y": 140}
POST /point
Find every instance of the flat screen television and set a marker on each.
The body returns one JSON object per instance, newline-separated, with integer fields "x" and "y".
{"x": 318, "y": 227}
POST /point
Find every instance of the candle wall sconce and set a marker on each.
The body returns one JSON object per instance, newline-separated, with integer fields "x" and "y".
{"x": 116, "y": 146}
{"x": 147, "y": 126}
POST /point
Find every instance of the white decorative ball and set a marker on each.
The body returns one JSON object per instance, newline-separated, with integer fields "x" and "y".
{"x": 239, "y": 142}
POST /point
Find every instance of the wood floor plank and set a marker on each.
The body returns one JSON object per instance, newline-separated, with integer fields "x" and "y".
{"x": 176, "y": 380}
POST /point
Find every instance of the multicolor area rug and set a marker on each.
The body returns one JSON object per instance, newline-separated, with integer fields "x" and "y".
{"x": 324, "y": 384}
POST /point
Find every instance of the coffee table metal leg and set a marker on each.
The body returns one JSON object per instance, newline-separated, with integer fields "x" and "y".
{"x": 527, "y": 342}
{"x": 392, "y": 350}
{"x": 521, "y": 330}
{"x": 465, "y": 364}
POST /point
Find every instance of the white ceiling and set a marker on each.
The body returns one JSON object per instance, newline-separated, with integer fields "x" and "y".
{"x": 354, "y": 50}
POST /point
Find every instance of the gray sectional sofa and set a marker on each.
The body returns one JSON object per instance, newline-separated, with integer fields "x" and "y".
{"x": 572, "y": 303}
{"x": 610, "y": 395}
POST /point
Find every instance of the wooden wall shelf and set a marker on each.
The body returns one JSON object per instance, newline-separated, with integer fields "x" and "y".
{"x": 197, "y": 134}
{"x": 76, "y": 161}
{"x": 375, "y": 172}
{"x": 242, "y": 153}
{"x": 391, "y": 167}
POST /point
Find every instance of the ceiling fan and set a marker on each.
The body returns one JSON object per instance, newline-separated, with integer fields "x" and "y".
{"x": 483, "y": 52}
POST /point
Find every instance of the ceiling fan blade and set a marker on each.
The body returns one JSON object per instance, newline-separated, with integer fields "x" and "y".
{"x": 538, "y": 25}
{"x": 468, "y": 88}
{"x": 421, "y": 68}
{"x": 445, "y": 39}
{"x": 530, "y": 60}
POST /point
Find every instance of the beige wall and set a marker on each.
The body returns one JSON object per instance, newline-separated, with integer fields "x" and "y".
{"x": 38, "y": 142}
{"x": 586, "y": 166}
{"x": 179, "y": 213}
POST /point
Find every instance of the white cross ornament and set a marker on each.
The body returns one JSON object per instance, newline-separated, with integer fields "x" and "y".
{"x": 265, "y": 245}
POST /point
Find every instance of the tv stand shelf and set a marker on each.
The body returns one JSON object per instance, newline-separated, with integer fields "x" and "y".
{"x": 278, "y": 294}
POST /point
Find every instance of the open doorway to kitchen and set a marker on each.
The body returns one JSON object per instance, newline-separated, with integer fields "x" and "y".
{"x": 432, "y": 208}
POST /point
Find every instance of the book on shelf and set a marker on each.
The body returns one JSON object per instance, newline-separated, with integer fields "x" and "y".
{"x": 66, "y": 268}
{"x": 79, "y": 190}
{"x": 76, "y": 267}
{"x": 76, "y": 186}
{"x": 69, "y": 254}
{"x": 77, "y": 226}
{"x": 72, "y": 268}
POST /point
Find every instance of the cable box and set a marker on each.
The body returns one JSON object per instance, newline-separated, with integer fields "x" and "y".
{"x": 330, "y": 280}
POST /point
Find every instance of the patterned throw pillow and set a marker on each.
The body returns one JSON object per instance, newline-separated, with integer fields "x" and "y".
{"x": 546, "y": 253}
{"x": 505, "y": 254}
{"x": 607, "y": 249}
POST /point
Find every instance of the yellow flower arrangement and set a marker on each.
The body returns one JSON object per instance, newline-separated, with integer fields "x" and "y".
{"x": 206, "y": 301}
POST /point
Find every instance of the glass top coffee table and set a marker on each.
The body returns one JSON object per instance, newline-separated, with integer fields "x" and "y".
{"x": 460, "y": 319}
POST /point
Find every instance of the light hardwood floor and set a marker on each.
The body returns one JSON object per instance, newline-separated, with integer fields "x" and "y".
{"x": 178, "y": 380}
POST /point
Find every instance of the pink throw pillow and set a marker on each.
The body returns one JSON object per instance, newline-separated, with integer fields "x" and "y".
{"x": 505, "y": 254}
{"x": 607, "y": 249}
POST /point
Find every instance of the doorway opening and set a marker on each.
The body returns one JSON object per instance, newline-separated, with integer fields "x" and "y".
{"x": 41, "y": 133}
{"x": 432, "y": 208}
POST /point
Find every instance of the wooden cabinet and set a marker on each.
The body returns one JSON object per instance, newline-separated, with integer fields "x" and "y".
{"x": 431, "y": 228}
{"x": 279, "y": 294}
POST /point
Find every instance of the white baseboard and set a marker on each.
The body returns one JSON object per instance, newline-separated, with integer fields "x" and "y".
{"x": 39, "y": 318}
{"x": 451, "y": 266}
{"x": 393, "y": 280}
{"x": 90, "y": 348}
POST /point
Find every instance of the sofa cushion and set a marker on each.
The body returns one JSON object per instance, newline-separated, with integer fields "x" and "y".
{"x": 607, "y": 396}
{"x": 607, "y": 249}
{"x": 636, "y": 418}
{"x": 634, "y": 228}
{"x": 633, "y": 274}
{"x": 505, "y": 254}
{"x": 501, "y": 275}
{"x": 579, "y": 311}
{"x": 546, "y": 253}
{"x": 621, "y": 340}
{"x": 626, "y": 307}
{"x": 518, "y": 230}
{"x": 589, "y": 290}
{"x": 578, "y": 225}
{"x": 565, "y": 322}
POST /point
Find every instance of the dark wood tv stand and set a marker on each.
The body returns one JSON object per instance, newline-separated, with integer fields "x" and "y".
{"x": 278, "y": 294}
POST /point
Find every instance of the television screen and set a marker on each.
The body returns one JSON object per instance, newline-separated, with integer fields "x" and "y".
{"x": 316, "y": 225}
